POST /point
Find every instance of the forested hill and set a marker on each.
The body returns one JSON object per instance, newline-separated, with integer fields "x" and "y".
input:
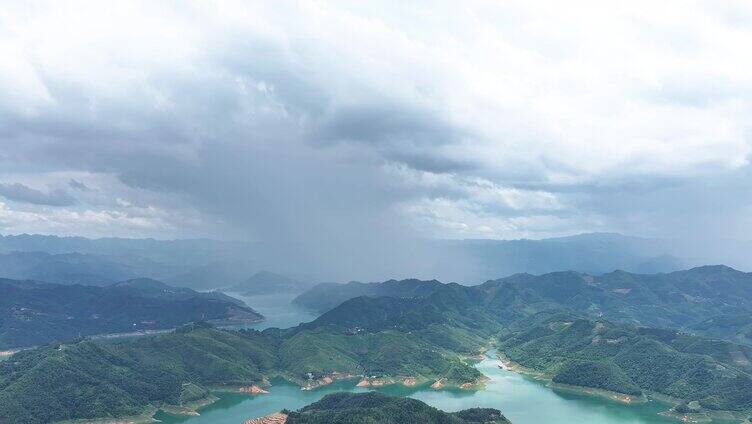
{"x": 566, "y": 345}
{"x": 714, "y": 301}
{"x": 96, "y": 379}
{"x": 34, "y": 313}
{"x": 576, "y": 328}
{"x": 376, "y": 408}
{"x": 634, "y": 361}
{"x": 704, "y": 300}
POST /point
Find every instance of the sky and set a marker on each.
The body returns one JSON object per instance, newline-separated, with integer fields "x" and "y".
{"x": 328, "y": 125}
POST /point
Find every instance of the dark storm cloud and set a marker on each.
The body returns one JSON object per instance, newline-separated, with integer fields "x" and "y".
{"x": 320, "y": 130}
{"x": 386, "y": 124}
{"x": 21, "y": 193}
{"x": 401, "y": 133}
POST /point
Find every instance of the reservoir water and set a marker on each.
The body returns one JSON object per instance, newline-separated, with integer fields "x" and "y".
{"x": 522, "y": 399}
{"x": 277, "y": 310}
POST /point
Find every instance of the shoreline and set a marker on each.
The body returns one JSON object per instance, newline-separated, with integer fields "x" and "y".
{"x": 259, "y": 389}
{"x": 705, "y": 416}
{"x": 145, "y": 417}
{"x": 5, "y": 354}
{"x": 505, "y": 363}
{"x": 190, "y": 409}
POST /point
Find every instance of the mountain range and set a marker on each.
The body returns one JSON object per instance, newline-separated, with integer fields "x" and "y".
{"x": 631, "y": 336}
{"x": 35, "y": 313}
{"x": 715, "y": 301}
{"x": 210, "y": 264}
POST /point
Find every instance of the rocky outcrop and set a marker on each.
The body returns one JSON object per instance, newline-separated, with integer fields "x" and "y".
{"x": 278, "y": 418}
{"x": 363, "y": 383}
{"x": 254, "y": 390}
{"x": 386, "y": 381}
{"x": 409, "y": 382}
{"x": 438, "y": 384}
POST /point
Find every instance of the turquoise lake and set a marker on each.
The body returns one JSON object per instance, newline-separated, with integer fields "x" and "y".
{"x": 522, "y": 399}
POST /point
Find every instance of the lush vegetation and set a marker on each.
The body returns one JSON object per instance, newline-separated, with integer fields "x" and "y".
{"x": 89, "y": 379}
{"x": 715, "y": 301}
{"x": 579, "y": 329}
{"x": 631, "y": 360}
{"x": 548, "y": 323}
{"x": 34, "y": 313}
{"x": 600, "y": 375}
{"x": 375, "y": 408}
{"x": 698, "y": 300}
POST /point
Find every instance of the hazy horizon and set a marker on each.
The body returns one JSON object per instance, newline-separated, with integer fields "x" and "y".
{"x": 337, "y": 134}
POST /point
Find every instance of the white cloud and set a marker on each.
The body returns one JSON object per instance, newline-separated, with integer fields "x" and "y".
{"x": 506, "y": 119}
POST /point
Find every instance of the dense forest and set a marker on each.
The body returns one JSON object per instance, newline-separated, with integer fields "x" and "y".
{"x": 539, "y": 322}
{"x": 88, "y": 379}
{"x": 631, "y": 360}
{"x": 34, "y": 313}
{"x": 715, "y": 301}
{"x": 375, "y": 408}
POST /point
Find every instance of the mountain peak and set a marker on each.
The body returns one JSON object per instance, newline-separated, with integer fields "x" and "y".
{"x": 713, "y": 270}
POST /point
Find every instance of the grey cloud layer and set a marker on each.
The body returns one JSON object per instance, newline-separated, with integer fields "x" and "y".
{"x": 21, "y": 193}
{"x": 323, "y": 126}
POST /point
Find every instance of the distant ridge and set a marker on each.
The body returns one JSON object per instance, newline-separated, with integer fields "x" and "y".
{"x": 627, "y": 333}
{"x": 715, "y": 300}
{"x": 207, "y": 264}
{"x": 35, "y": 313}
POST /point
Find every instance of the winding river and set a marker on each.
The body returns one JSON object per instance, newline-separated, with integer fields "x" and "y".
{"x": 522, "y": 399}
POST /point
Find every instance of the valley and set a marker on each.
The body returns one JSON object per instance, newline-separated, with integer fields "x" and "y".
{"x": 375, "y": 212}
{"x": 522, "y": 399}
{"x": 423, "y": 343}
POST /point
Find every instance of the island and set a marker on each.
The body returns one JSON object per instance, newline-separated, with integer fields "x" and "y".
{"x": 372, "y": 407}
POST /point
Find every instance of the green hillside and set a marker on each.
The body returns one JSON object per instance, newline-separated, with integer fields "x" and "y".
{"x": 375, "y": 408}
{"x": 633, "y": 360}
{"x": 715, "y": 301}
{"x": 88, "y": 379}
{"x": 540, "y": 322}
{"x": 35, "y": 313}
